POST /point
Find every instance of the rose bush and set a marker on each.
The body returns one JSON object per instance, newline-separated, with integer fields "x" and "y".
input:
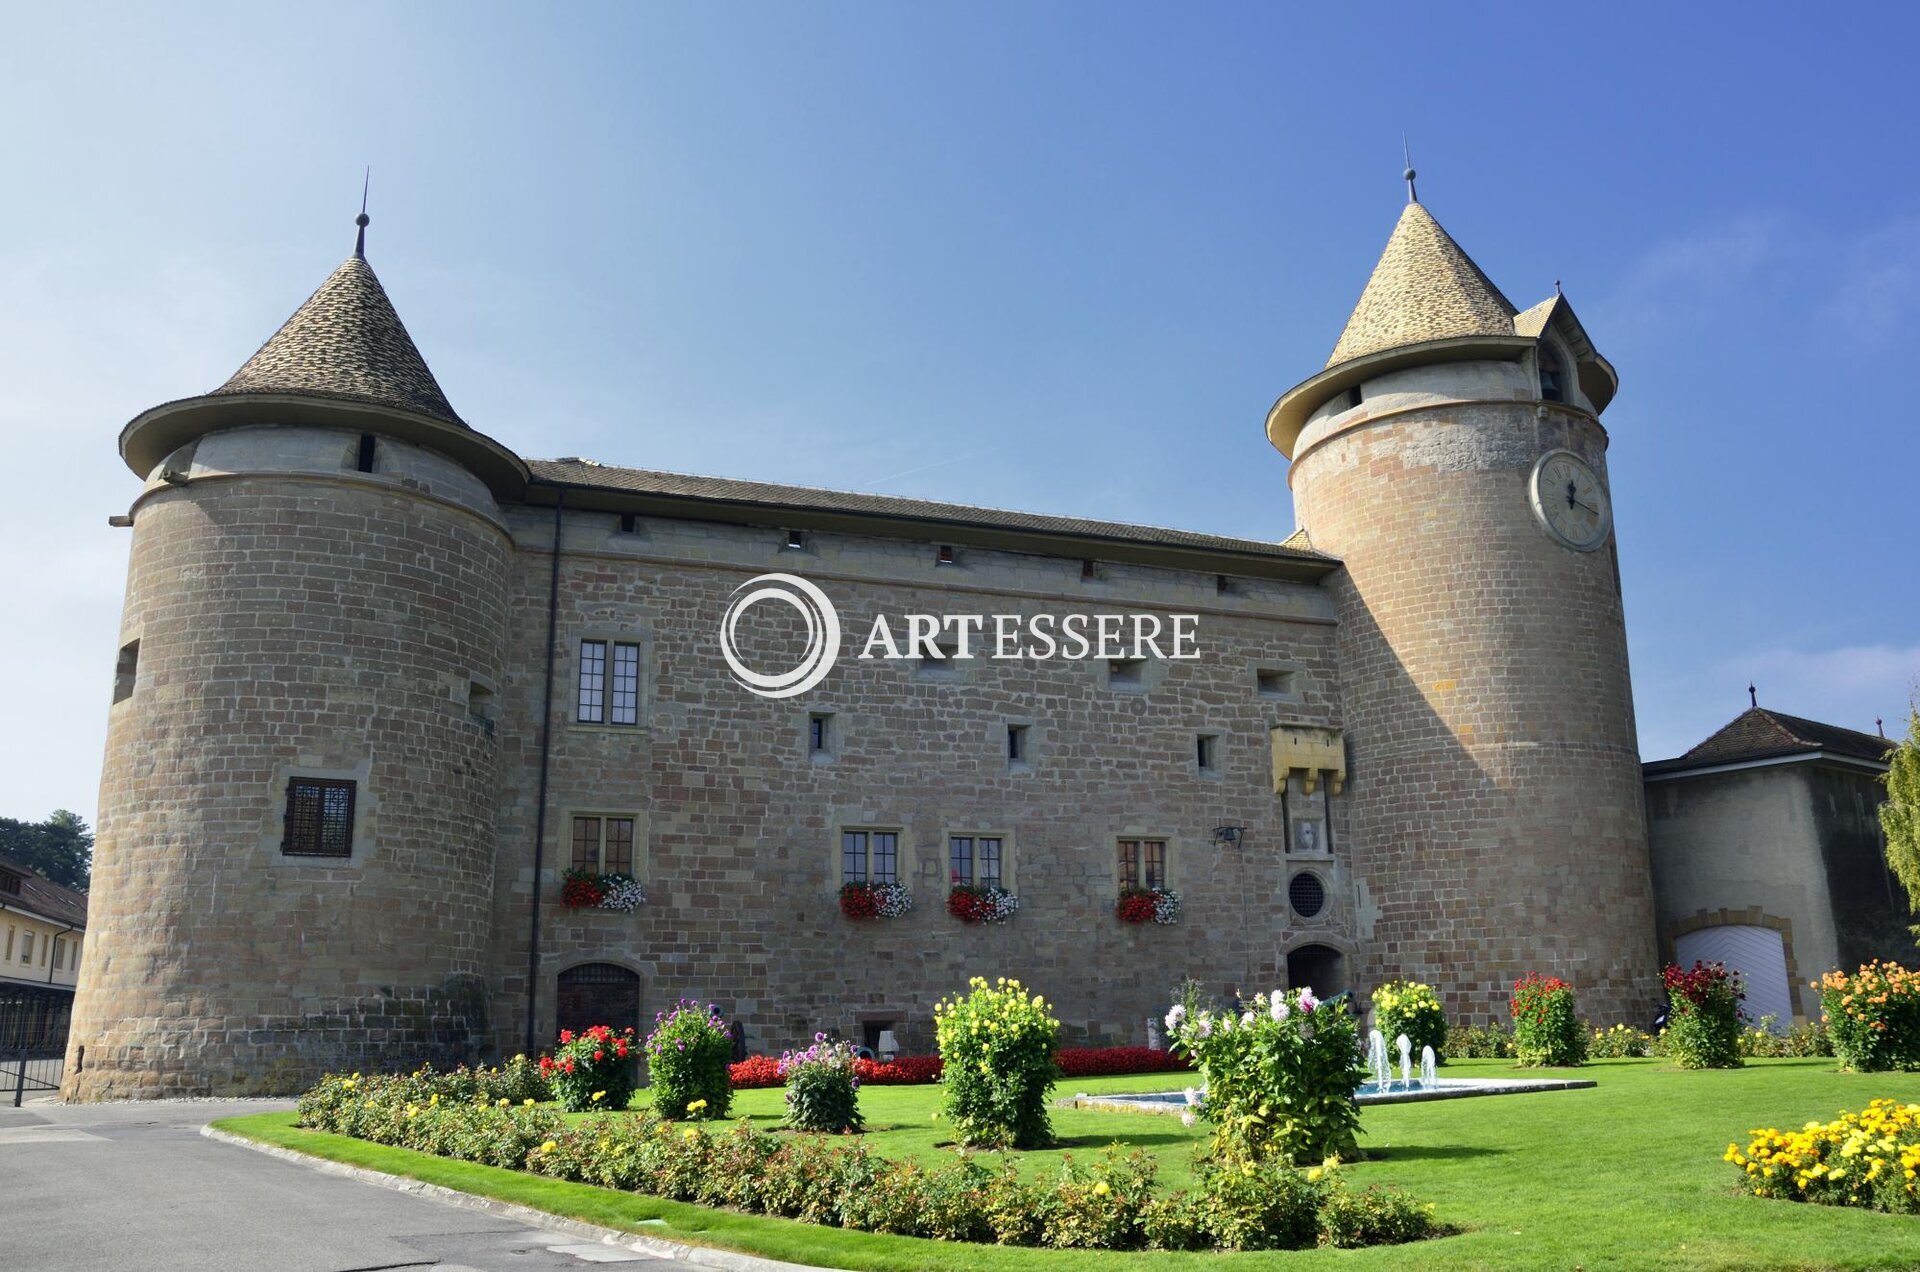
{"x": 592, "y": 1069}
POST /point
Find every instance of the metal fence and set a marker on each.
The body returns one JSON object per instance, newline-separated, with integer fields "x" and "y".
{"x": 33, "y": 1038}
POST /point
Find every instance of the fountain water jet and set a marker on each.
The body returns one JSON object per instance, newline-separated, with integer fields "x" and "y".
{"x": 1427, "y": 1064}
{"x": 1377, "y": 1059}
{"x": 1405, "y": 1046}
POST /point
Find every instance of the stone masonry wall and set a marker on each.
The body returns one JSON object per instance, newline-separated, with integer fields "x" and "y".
{"x": 1495, "y": 779}
{"x": 741, "y": 853}
{"x": 293, "y": 625}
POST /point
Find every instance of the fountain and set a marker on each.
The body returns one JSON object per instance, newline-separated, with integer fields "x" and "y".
{"x": 1377, "y": 1059}
{"x": 1405, "y": 1047}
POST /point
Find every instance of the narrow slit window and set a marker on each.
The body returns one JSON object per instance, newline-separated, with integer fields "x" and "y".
{"x": 1017, "y": 743}
{"x": 126, "y": 669}
{"x": 367, "y": 448}
{"x": 796, "y": 538}
{"x": 1203, "y": 751}
{"x": 1126, "y": 673}
{"x": 820, "y": 733}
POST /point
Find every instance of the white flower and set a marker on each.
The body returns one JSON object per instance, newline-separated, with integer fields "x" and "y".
{"x": 1176, "y": 1014}
{"x": 1192, "y": 1094}
{"x": 1246, "y": 1018}
{"x": 1279, "y": 1008}
{"x": 1187, "y": 1119}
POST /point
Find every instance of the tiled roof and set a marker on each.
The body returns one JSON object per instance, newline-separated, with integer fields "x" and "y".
{"x": 1760, "y": 734}
{"x": 1424, "y": 288}
{"x": 346, "y": 342}
{"x": 588, "y": 473}
{"x": 43, "y": 897}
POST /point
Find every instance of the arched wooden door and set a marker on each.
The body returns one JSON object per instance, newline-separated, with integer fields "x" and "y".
{"x": 598, "y": 994}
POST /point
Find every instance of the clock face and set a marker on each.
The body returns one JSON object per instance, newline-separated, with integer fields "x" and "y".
{"x": 1571, "y": 501}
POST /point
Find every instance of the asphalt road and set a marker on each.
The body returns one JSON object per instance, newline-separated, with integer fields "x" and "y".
{"x": 136, "y": 1187}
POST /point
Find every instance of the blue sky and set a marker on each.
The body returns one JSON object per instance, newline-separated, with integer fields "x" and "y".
{"x": 1059, "y": 257}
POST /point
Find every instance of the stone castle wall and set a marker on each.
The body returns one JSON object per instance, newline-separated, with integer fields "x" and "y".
{"x": 741, "y": 854}
{"x": 295, "y": 617}
{"x": 1495, "y": 775}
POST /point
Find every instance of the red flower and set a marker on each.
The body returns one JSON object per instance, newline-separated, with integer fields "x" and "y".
{"x": 857, "y": 901}
{"x": 566, "y": 1036}
{"x": 599, "y": 1055}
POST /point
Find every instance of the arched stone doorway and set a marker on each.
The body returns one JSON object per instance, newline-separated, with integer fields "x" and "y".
{"x": 597, "y": 994}
{"x": 1319, "y": 967}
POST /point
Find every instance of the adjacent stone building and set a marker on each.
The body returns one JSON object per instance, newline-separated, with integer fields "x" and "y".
{"x": 383, "y": 683}
{"x": 1768, "y": 856}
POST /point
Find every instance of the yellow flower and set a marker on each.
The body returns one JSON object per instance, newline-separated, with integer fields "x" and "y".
{"x": 549, "y": 1147}
{"x": 689, "y": 1133}
{"x": 1100, "y": 1189}
{"x": 526, "y": 1104}
{"x": 504, "y": 1101}
{"x": 597, "y": 1097}
{"x": 695, "y": 1107}
{"x": 1313, "y": 1175}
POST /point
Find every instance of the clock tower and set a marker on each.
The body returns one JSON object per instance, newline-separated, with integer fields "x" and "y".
{"x": 1451, "y": 455}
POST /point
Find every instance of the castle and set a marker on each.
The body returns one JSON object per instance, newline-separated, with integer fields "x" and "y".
{"x": 383, "y": 683}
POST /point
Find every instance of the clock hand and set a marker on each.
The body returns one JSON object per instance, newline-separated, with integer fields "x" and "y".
{"x": 1576, "y": 503}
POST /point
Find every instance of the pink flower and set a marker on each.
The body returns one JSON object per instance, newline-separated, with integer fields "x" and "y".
{"x": 1308, "y": 1003}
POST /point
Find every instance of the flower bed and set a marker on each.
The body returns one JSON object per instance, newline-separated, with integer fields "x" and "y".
{"x": 1103, "y": 1062}
{"x": 1074, "y": 1062}
{"x": 1148, "y": 905}
{"x": 981, "y": 905}
{"x": 875, "y": 900}
{"x": 1873, "y": 1016}
{"x": 1108, "y": 1203}
{"x": 582, "y": 889}
{"x": 1413, "y": 1009}
{"x": 1869, "y": 1159}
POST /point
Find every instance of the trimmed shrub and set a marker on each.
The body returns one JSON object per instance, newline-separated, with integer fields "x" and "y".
{"x": 1105, "y": 1204}
{"x": 1097, "y": 1062}
{"x": 823, "y": 1092}
{"x": 1479, "y": 1042}
{"x": 591, "y": 1070}
{"x": 1619, "y": 1042}
{"x": 1280, "y": 1078}
{"x": 687, "y": 1062}
{"x": 996, "y": 1049}
{"x": 1703, "y": 1022}
{"x": 1413, "y": 1009}
{"x": 1873, "y": 1017}
{"x": 1546, "y": 1027}
{"x": 899, "y": 1071}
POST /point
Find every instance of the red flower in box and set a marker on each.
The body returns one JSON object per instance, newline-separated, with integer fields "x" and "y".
{"x": 582, "y": 890}
{"x": 969, "y": 905}
{"x": 858, "y": 901}
{"x": 1135, "y": 906}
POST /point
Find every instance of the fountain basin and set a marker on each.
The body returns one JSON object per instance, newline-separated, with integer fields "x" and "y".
{"x": 1414, "y": 1092}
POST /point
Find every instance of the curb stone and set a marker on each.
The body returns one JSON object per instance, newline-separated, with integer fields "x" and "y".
{"x": 698, "y": 1256}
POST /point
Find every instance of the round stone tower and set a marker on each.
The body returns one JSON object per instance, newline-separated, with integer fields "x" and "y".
{"x": 1451, "y": 455}
{"x": 295, "y": 851}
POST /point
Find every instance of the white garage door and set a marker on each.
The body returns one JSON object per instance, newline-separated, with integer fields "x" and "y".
{"x": 1758, "y": 954}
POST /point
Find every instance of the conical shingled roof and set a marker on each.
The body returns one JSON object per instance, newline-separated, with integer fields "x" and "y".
{"x": 1424, "y": 288}
{"x": 346, "y": 342}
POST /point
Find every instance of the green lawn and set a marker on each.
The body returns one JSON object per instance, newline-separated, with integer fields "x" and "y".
{"x": 1626, "y": 1175}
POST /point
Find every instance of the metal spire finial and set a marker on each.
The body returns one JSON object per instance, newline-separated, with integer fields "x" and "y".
{"x": 360, "y": 240}
{"x": 1880, "y": 726}
{"x": 1406, "y": 152}
{"x": 1753, "y": 695}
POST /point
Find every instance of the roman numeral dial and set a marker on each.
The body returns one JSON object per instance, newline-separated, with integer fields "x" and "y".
{"x": 1570, "y": 500}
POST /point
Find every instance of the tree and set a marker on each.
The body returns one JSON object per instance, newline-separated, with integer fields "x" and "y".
{"x": 61, "y": 847}
{"x": 1900, "y": 815}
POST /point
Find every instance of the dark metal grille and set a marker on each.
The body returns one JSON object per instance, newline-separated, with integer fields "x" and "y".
{"x": 1307, "y": 895}
{"x": 593, "y": 681}
{"x": 319, "y": 818}
{"x": 598, "y": 994}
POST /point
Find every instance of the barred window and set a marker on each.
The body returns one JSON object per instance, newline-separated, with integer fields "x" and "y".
{"x": 319, "y": 818}
{"x": 603, "y": 844}
{"x": 975, "y": 860}
{"x": 870, "y": 856}
{"x": 609, "y": 682}
{"x": 1143, "y": 863}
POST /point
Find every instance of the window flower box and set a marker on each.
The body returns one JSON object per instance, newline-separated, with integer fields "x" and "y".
{"x": 875, "y": 900}
{"x": 1148, "y": 905}
{"x": 971, "y": 904}
{"x": 582, "y": 889}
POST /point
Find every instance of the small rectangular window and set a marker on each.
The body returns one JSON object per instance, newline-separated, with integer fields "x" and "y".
{"x": 944, "y": 555}
{"x": 59, "y": 954}
{"x": 126, "y": 669}
{"x": 1126, "y": 673}
{"x": 869, "y": 856}
{"x": 1203, "y": 747}
{"x": 820, "y": 733}
{"x": 602, "y": 844}
{"x": 609, "y": 682}
{"x": 26, "y": 947}
{"x": 319, "y": 820}
{"x": 1143, "y": 863}
{"x": 1354, "y": 397}
{"x": 1016, "y": 743}
{"x": 627, "y": 523}
{"x": 1089, "y": 569}
{"x": 796, "y": 538}
{"x": 367, "y": 446}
